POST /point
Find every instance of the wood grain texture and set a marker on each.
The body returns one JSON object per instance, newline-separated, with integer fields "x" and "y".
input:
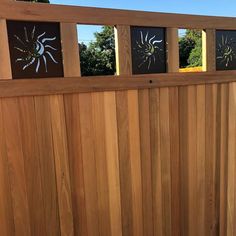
{"x": 31, "y": 155}
{"x": 208, "y": 50}
{"x": 123, "y": 50}
{"x": 89, "y": 164}
{"x": 7, "y": 226}
{"x": 99, "y": 144}
{"x": 47, "y": 165}
{"x": 56, "y": 86}
{"x": 75, "y": 162}
{"x": 172, "y": 49}
{"x": 5, "y": 68}
{"x": 70, "y": 45}
{"x": 158, "y": 161}
{"x": 16, "y": 167}
{"x": 61, "y": 164}
{"x": 124, "y": 162}
{"x": 158, "y": 222}
{"x": 113, "y": 168}
{"x": 101, "y": 16}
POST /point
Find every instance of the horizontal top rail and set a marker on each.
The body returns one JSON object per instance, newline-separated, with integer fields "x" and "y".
{"x": 100, "y": 16}
{"x": 38, "y": 87}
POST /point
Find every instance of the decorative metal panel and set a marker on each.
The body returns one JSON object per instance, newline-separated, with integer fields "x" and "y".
{"x": 148, "y": 45}
{"x": 35, "y": 49}
{"x": 225, "y": 50}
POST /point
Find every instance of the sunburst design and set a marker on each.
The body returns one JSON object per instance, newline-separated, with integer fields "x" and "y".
{"x": 35, "y": 49}
{"x": 226, "y": 51}
{"x": 147, "y": 49}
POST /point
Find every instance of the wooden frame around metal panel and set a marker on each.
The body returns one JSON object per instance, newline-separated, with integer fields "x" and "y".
{"x": 122, "y": 20}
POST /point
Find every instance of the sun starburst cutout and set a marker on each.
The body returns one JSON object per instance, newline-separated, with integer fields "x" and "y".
{"x": 35, "y": 50}
{"x": 226, "y": 51}
{"x": 148, "y": 49}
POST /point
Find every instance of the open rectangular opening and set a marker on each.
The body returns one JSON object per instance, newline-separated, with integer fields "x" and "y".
{"x": 97, "y": 50}
{"x": 190, "y": 50}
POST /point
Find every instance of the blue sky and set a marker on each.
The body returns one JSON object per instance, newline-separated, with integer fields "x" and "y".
{"x": 200, "y": 7}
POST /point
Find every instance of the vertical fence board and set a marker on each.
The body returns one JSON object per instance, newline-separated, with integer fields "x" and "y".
{"x": 146, "y": 164}
{"x": 61, "y": 164}
{"x": 136, "y": 178}
{"x": 89, "y": 164}
{"x": 32, "y": 165}
{"x": 47, "y": 165}
{"x": 76, "y": 164}
{"x": 210, "y": 206}
{"x": 7, "y": 226}
{"x": 165, "y": 160}
{"x": 158, "y": 222}
{"x": 231, "y": 160}
{"x": 113, "y": 168}
{"x": 16, "y": 167}
{"x": 200, "y": 164}
{"x": 101, "y": 164}
{"x": 175, "y": 160}
{"x": 192, "y": 160}
{"x": 224, "y": 158}
{"x": 124, "y": 162}
{"x": 184, "y": 178}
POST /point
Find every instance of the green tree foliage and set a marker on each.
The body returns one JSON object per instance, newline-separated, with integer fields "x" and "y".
{"x": 190, "y": 46}
{"x": 98, "y": 58}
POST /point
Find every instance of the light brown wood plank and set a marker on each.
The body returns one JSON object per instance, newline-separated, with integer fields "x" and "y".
{"x": 7, "y": 226}
{"x": 146, "y": 165}
{"x": 31, "y": 156}
{"x": 16, "y": 167}
{"x": 28, "y": 87}
{"x": 200, "y": 165}
{"x": 76, "y": 163}
{"x": 89, "y": 164}
{"x": 158, "y": 222}
{"x": 224, "y": 116}
{"x": 61, "y": 164}
{"x": 123, "y": 50}
{"x": 210, "y": 206}
{"x": 101, "y": 163}
{"x": 100, "y": 16}
{"x": 113, "y": 168}
{"x": 184, "y": 161}
{"x": 47, "y": 165}
{"x": 5, "y": 66}
{"x": 172, "y": 39}
{"x": 192, "y": 160}
{"x": 165, "y": 159}
{"x": 231, "y": 161}
{"x": 136, "y": 176}
{"x": 175, "y": 160}
{"x": 125, "y": 163}
{"x": 208, "y": 50}
{"x": 70, "y": 50}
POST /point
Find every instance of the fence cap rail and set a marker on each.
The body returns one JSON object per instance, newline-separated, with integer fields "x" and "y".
{"x": 100, "y": 16}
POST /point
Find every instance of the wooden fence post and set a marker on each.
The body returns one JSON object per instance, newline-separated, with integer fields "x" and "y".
{"x": 208, "y": 50}
{"x": 123, "y": 50}
{"x": 5, "y": 62}
{"x": 172, "y": 50}
{"x": 70, "y": 50}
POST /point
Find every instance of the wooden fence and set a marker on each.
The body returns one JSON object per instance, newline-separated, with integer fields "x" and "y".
{"x": 118, "y": 155}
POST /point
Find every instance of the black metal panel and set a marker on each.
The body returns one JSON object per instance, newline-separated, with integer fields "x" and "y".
{"x": 35, "y": 49}
{"x": 148, "y": 46}
{"x": 225, "y": 50}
